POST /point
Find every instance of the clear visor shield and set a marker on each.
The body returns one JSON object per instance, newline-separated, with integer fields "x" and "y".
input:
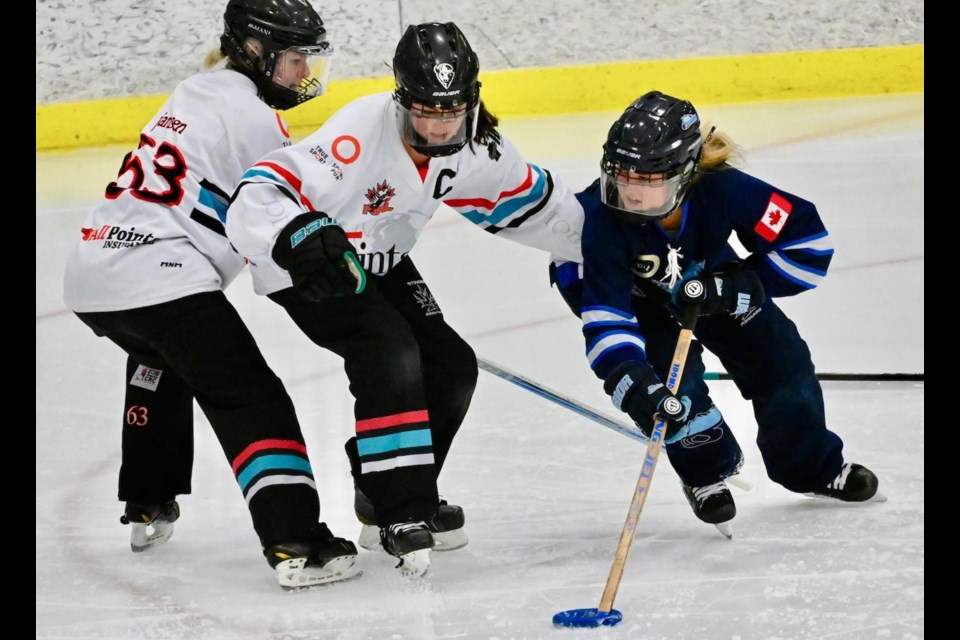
{"x": 304, "y": 70}
{"x": 651, "y": 195}
{"x": 427, "y": 128}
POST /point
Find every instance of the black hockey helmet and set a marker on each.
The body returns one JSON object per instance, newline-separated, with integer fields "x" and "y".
{"x": 436, "y": 69}
{"x": 281, "y": 45}
{"x": 658, "y": 137}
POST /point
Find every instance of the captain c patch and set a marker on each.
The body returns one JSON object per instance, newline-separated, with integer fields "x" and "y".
{"x": 770, "y": 225}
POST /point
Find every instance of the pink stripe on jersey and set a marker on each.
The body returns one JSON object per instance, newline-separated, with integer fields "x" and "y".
{"x": 291, "y": 179}
{"x": 262, "y": 445}
{"x": 487, "y": 204}
{"x": 395, "y": 420}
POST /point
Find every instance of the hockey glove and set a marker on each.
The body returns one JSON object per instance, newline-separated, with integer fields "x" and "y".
{"x": 635, "y": 388}
{"x": 732, "y": 292}
{"x": 314, "y": 249}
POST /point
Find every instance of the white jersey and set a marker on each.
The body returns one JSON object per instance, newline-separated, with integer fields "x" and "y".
{"x": 158, "y": 235}
{"x": 355, "y": 169}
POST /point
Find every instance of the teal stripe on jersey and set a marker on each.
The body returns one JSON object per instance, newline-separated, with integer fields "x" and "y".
{"x": 252, "y": 173}
{"x": 511, "y": 206}
{"x": 211, "y": 201}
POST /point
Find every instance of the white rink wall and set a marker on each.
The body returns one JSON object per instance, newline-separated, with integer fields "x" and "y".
{"x": 95, "y": 49}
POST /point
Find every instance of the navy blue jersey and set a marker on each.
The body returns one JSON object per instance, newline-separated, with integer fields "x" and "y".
{"x": 625, "y": 264}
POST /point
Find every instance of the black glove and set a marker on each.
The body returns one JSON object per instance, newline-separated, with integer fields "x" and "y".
{"x": 321, "y": 261}
{"x": 732, "y": 292}
{"x": 635, "y": 388}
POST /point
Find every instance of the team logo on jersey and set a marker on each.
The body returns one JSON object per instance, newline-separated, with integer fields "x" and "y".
{"x": 444, "y": 73}
{"x": 379, "y": 198}
{"x": 645, "y": 266}
{"x": 776, "y": 215}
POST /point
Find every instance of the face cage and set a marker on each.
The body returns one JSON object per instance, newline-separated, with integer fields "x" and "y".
{"x": 302, "y": 71}
{"x": 644, "y": 203}
{"x": 449, "y": 146}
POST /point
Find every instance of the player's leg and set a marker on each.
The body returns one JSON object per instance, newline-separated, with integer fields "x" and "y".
{"x": 771, "y": 365}
{"x": 394, "y": 454}
{"x": 450, "y": 378}
{"x": 156, "y": 434}
{"x": 710, "y": 454}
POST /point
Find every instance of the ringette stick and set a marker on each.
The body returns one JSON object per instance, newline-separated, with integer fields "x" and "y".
{"x": 605, "y": 614}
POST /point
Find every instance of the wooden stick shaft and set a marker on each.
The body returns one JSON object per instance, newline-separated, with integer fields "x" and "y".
{"x": 646, "y": 475}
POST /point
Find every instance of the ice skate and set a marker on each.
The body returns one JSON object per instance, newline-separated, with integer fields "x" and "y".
{"x": 714, "y": 505}
{"x": 854, "y": 483}
{"x": 446, "y": 526}
{"x": 324, "y": 560}
{"x": 411, "y": 542}
{"x": 150, "y": 524}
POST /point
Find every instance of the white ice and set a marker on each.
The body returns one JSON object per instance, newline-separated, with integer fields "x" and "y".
{"x": 545, "y": 491}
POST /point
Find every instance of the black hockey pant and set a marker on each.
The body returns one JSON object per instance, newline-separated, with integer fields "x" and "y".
{"x": 412, "y": 378}
{"x": 198, "y": 347}
{"x": 771, "y": 366}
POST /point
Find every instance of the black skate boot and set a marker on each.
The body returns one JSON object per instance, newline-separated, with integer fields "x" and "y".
{"x": 411, "y": 542}
{"x": 713, "y": 504}
{"x": 854, "y": 483}
{"x": 151, "y": 523}
{"x": 446, "y": 526}
{"x": 321, "y": 560}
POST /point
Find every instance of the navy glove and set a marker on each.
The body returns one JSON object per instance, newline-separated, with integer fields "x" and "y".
{"x": 635, "y": 388}
{"x": 314, "y": 249}
{"x": 731, "y": 292}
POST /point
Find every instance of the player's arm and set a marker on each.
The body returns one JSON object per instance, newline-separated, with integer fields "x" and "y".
{"x": 790, "y": 247}
{"x": 508, "y": 197}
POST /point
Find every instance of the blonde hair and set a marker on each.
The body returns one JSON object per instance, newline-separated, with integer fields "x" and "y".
{"x": 719, "y": 150}
{"x": 213, "y": 58}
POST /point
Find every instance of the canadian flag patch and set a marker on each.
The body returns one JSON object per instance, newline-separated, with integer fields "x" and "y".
{"x": 770, "y": 225}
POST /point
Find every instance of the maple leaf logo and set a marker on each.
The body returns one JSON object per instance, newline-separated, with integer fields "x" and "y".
{"x": 379, "y": 198}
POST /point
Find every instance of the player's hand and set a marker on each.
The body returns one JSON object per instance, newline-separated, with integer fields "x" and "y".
{"x": 635, "y": 388}
{"x": 314, "y": 249}
{"x": 732, "y": 292}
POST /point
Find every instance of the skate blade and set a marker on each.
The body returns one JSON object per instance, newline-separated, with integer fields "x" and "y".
{"x": 877, "y": 497}
{"x": 369, "y": 539}
{"x": 415, "y": 564}
{"x": 739, "y": 483}
{"x": 144, "y": 536}
{"x": 293, "y": 574}
{"x": 450, "y": 540}
{"x": 725, "y": 529}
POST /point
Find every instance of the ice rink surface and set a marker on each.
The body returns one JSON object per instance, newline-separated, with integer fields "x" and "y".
{"x": 545, "y": 490}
